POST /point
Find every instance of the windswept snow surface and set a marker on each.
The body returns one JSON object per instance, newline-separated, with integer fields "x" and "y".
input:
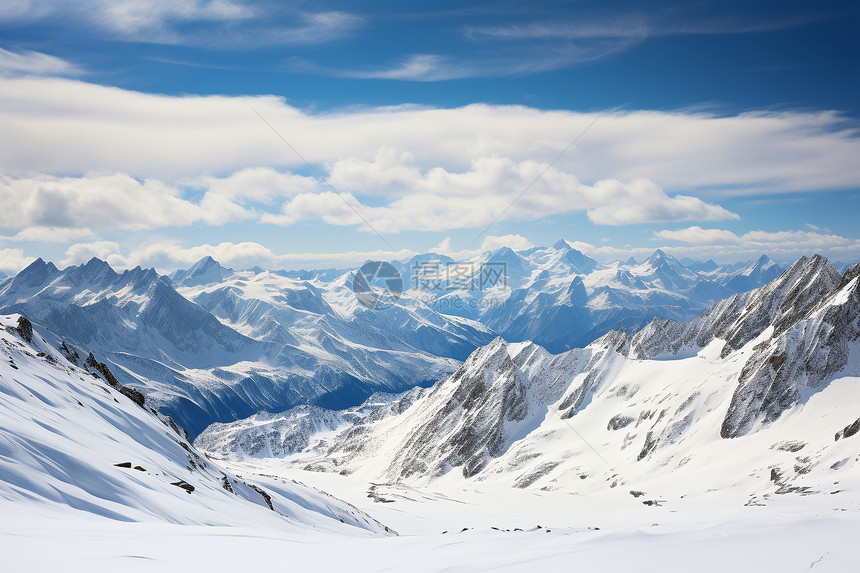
{"x": 78, "y": 455}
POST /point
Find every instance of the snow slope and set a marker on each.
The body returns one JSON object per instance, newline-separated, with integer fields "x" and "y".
{"x": 73, "y": 447}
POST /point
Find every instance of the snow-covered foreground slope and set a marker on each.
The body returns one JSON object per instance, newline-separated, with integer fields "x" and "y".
{"x": 75, "y": 448}
{"x": 597, "y": 535}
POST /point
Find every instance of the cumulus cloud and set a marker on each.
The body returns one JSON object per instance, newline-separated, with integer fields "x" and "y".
{"x": 83, "y": 252}
{"x": 61, "y": 209}
{"x": 13, "y": 260}
{"x": 643, "y": 201}
{"x": 231, "y": 198}
{"x": 106, "y": 202}
{"x": 492, "y": 189}
{"x": 809, "y": 240}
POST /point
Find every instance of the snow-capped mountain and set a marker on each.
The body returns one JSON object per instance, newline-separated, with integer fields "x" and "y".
{"x": 231, "y": 344}
{"x": 750, "y": 394}
{"x": 561, "y": 299}
{"x": 210, "y": 344}
{"x": 76, "y": 445}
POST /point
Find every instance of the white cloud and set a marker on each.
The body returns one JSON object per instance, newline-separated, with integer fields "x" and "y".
{"x": 27, "y": 62}
{"x": 219, "y": 24}
{"x": 61, "y": 209}
{"x": 492, "y": 189}
{"x": 168, "y": 256}
{"x": 809, "y": 240}
{"x": 442, "y": 247}
{"x": 227, "y": 198}
{"x": 781, "y": 244}
{"x": 515, "y": 242}
{"x": 83, "y": 252}
{"x": 698, "y": 236}
{"x": 50, "y": 234}
{"x": 13, "y": 260}
{"x": 102, "y": 129}
{"x": 642, "y": 201}
{"x": 100, "y": 202}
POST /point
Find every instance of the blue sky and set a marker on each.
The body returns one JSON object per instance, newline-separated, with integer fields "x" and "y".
{"x": 144, "y": 131}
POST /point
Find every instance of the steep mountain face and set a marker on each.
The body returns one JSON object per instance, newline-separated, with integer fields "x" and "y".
{"x": 728, "y": 398}
{"x": 74, "y": 445}
{"x": 298, "y": 433}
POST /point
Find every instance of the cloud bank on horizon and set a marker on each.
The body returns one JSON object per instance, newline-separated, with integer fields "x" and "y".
{"x": 92, "y": 164}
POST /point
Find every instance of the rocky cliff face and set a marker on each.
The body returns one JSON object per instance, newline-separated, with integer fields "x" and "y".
{"x": 810, "y": 343}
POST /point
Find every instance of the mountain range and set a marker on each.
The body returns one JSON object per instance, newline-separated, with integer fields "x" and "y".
{"x": 210, "y": 344}
{"x": 758, "y": 392}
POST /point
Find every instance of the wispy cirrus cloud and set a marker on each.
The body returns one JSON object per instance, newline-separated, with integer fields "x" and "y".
{"x": 214, "y": 24}
{"x": 30, "y": 63}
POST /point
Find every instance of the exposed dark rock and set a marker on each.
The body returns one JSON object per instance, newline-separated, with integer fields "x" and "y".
{"x": 266, "y": 497}
{"x": 648, "y": 446}
{"x": 813, "y": 325}
{"x": 619, "y": 421}
{"x": 123, "y": 465}
{"x": 776, "y": 475}
{"x": 103, "y": 369}
{"x": 25, "y": 328}
{"x": 70, "y": 354}
{"x": 789, "y": 446}
{"x": 636, "y": 493}
{"x": 184, "y": 485}
{"x": 140, "y": 468}
{"x": 848, "y": 430}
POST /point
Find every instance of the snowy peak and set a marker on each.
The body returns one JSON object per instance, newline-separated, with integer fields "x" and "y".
{"x": 205, "y": 271}
{"x": 35, "y": 274}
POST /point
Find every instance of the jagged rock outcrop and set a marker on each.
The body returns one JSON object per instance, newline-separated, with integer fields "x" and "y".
{"x": 810, "y": 343}
{"x": 25, "y": 329}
